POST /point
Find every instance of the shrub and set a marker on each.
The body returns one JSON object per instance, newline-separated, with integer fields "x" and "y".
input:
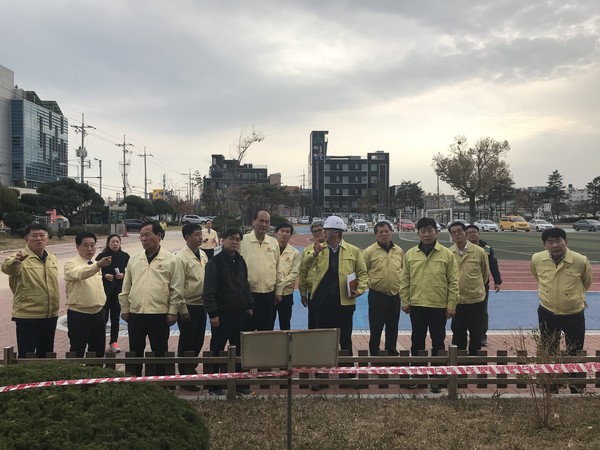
{"x": 17, "y": 219}
{"x": 115, "y": 415}
{"x": 221, "y": 223}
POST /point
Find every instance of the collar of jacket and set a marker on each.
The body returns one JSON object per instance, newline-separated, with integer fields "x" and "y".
{"x": 568, "y": 258}
{"x": 159, "y": 255}
{"x": 33, "y": 254}
{"x": 253, "y": 238}
{"x": 436, "y": 247}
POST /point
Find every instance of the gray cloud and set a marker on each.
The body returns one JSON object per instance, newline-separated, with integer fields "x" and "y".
{"x": 199, "y": 68}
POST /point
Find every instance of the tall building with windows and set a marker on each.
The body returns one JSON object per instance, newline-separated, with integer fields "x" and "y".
{"x": 40, "y": 140}
{"x": 225, "y": 172}
{"x": 316, "y": 170}
{"x": 7, "y": 83}
{"x": 33, "y": 136}
{"x": 339, "y": 183}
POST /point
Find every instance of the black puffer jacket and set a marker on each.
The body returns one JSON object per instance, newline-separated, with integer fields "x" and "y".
{"x": 119, "y": 261}
{"x": 226, "y": 287}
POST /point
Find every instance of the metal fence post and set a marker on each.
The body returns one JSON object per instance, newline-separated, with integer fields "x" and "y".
{"x": 452, "y": 379}
{"x": 231, "y": 369}
{"x": 8, "y": 355}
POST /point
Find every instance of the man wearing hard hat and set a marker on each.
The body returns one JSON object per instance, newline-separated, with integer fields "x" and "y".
{"x": 340, "y": 275}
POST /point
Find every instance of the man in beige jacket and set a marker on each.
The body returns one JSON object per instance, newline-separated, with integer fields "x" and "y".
{"x": 33, "y": 280}
{"x": 85, "y": 297}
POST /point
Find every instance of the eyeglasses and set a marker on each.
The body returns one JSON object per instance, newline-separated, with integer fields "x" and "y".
{"x": 234, "y": 239}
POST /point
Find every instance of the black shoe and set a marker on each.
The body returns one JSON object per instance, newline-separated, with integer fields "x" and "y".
{"x": 435, "y": 389}
{"x": 575, "y": 389}
{"x": 216, "y": 392}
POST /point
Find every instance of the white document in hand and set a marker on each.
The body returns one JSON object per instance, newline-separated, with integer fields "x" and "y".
{"x": 351, "y": 283}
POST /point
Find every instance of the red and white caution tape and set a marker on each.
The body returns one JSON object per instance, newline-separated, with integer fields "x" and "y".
{"x": 88, "y": 381}
{"x": 514, "y": 369}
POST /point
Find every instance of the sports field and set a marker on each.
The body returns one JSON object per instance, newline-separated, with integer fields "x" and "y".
{"x": 507, "y": 245}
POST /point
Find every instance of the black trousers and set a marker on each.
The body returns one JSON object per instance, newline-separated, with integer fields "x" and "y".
{"x": 156, "y": 329}
{"x": 284, "y": 310}
{"x": 331, "y": 314}
{"x": 35, "y": 336}
{"x": 486, "y": 317}
{"x": 312, "y": 321}
{"x": 423, "y": 318}
{"x": 112, "y": 311}
{"x": 229, "y": 329}
{"x": 191, "y": 336}
{"x": 552, "y": 325}
{"x": 468, "y": 318}
{"x": 86, "y": 330}
{"x": 264, "y": 310}
{"x": 384, "y": 311}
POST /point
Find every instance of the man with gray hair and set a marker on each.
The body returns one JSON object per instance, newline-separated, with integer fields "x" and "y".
{"x": 261, "y": 253}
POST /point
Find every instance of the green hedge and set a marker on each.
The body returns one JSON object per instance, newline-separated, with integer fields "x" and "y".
{"x": 105, "y": 416}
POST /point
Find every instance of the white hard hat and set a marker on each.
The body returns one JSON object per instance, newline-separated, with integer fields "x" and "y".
{"x": 335, "y": 222}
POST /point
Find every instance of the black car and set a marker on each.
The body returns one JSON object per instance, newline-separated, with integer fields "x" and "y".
{"x": 133, "y": 224}
{"x": 587, "y": 224}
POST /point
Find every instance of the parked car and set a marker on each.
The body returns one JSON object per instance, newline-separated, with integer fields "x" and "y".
{"x": 193, "y": 218}
{"x": 406, "y": 225}
{"x": 486, "y": 225}
{"x": 133, "y": 224}
{"x": 463, "y": 221}
{"x": 587, "y": 224}
{"x": 539, "y": 224}
{"x": 513, "y": 223}
{"x": 359, "y": 225}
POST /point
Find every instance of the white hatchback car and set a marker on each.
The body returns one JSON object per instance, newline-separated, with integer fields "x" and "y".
{"x": 539, "y": 224}
{"x": 359, "y": 225}
{"x": 486, "y": 225}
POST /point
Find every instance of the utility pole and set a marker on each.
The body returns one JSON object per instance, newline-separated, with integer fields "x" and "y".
{"x": 81, "y": 151}
{"x": 125, "y": 151}
{"x": 100, "y": 177}
{"x": 145, "y": 155}
{"x": 190, "y": 190}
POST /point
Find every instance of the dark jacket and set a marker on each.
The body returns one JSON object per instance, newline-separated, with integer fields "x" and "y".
{"x": 493, "y": 262}
{"x": 119, "y": 260}
{"x": 226, "y": 287}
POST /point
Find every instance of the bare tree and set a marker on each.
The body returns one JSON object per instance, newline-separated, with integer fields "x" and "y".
{"x": 233, "y": 193}
{"x": 473, "y": 171}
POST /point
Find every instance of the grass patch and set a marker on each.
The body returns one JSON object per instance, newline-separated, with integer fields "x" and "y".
{"x": 351, "y": 423}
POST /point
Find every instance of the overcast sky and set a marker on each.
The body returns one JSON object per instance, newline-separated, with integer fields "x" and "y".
{"x": 182, "y": 78}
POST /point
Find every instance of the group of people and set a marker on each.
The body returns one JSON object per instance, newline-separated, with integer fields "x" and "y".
{"x": 250, "y": 283}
